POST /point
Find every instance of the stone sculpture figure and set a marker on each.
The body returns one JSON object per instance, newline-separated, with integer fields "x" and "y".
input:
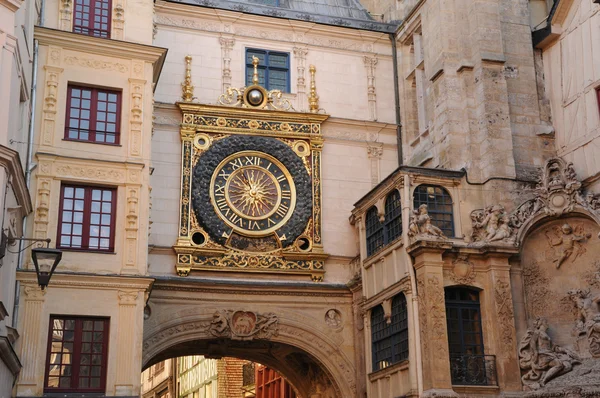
{"x": 491, "y": 224}
{"x": 420, "y": 224}
{"x": 568, "y": 242}
{"x": 588, "y": 317}
{"x": 542, "y": 360}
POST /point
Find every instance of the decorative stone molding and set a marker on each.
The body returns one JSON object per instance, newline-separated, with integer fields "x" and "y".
{"x": 300, "y": 57}
{"x": 131, "y": 230}
{"x": 9, "y": 159}
{"x": 88, "y": 62}
{"x": 505, "y": 314}
{"x": 226, "y": 47}
{"x": 127, "y": 297}
{"x": 243, "y": 325}
{"x": 463, "y": 271}
{"x": 41, "y": 220}
{"x": 54, "y": 56}
{"x": 370, "y": 64}
{"x": 49, "y": 105}
{"x": 136, "y": 119}
{"x": 32, "y": 316}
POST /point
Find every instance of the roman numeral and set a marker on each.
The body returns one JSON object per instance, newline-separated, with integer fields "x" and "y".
{"x": 280, "y": 178}
{"x": 222, "y": 203}
{"x": 253, "y": 225}
{"x": 269, "y": 166}
{"x": 236, "y": 220}
{"x": 285, "y": 194}
{"x": 253, "y": 160}
{"x": 282, "y": 210}
{"x": 219, "y": 190}
{"x": 236, "y": 163}
{"x": 269, "y": 222}
{"x": 223, "y": 174}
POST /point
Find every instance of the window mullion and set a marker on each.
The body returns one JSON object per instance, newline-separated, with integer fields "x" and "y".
{"x": 87, "y": 215}
{"x": 76, "y": 360}
{"x": 93, "y": 114}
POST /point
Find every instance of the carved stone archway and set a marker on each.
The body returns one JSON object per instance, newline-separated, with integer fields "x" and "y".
{"x": 283, "y": 335}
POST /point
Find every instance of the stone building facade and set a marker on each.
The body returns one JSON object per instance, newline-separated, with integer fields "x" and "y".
{"x": 393, "y": 199}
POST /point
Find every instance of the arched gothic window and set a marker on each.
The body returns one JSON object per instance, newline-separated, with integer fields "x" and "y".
{"x": 439, "y": 205}
{"x": 374, "y": 229}
{"x": 389, "y": 341}
{"x": 393, "y": 216}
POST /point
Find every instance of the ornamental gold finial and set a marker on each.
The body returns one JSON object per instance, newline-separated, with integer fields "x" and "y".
{"x": 186, "y": 86}
{"x": 313, "y": 98}
{"x": 255, "y": 75}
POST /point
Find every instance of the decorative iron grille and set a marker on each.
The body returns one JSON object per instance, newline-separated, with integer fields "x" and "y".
{"x": 473, "y": 370}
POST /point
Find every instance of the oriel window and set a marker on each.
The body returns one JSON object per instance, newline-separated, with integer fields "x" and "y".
{"x": 375, "y": 240}
{"x": 389, "y": 340}
{"x": 87, "y": 218}
{"x": 77, "y": 354}
{"x": 93, "y": 115}
{"x": 92, "y": 17}
{"x": 273, "y": 69}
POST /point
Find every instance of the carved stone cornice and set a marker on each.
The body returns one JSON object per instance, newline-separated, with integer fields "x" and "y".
{"x": 427, "y": 245}
{"x": 74, "y": 280}
{"x": 96, "y": 45}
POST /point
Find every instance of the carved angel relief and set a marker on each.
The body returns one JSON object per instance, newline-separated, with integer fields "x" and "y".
{"x": 491, "y": 224}
{"x": 567, "y": 242}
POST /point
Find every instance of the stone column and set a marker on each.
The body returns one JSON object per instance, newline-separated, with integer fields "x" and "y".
{"x": 32, "y": 349}
{"x": 136, "y": 117}
{"x": 428, "y": 264}
{"x": 127, "y": 368}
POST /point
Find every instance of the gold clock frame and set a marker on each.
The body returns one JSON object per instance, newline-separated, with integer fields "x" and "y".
{"x": 201, "y": 126}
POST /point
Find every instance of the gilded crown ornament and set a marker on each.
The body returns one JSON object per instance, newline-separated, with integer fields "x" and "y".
{"x": 255, "y": 96}
{"x": 186, "y": 87}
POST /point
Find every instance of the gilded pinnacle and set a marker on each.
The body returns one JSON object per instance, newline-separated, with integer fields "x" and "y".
{"x": 255, "y": 61}
{"x": 186, "y": 87}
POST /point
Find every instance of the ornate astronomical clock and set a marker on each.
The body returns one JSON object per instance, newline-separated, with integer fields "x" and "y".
{"x": 250, "y": 186}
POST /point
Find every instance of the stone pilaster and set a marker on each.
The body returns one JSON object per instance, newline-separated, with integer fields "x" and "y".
{"x": 300, "y": 57}
{"x": 66, "y": 14}
{"x": 370, "y": 64}
{"x": 136, "y": 117}
{"x": 52, "y": 77}
{"x": 118, "y": 23}
{"x": 505, "y": 336}
{"x": 375, "y": 151}
{"x": 226, "y": 47}
{"x": 428, "y": 264}
{"x": 33, "y": 369}
{"x": 128, "y": 357}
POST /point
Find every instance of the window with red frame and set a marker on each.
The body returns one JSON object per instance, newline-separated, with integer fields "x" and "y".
{"x": 87, "y": 218}
{"x": 93, "y": 115}
{"x": 77, "y": 354}
{"x": 92, "y": 17}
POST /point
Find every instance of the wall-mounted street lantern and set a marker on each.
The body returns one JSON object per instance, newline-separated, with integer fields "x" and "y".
{"x": 45, "y": 259}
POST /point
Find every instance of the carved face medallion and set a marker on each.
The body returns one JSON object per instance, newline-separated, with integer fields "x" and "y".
{"x": 253, "y": 193}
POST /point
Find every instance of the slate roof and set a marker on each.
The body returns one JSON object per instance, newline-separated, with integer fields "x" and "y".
{"x": 346, "y": 13}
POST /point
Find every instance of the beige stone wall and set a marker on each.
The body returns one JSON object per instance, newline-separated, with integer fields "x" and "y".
{"x": 360, "y": 136}
{"x": 468, "y": 89}
{"x": 572, "y": 77}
